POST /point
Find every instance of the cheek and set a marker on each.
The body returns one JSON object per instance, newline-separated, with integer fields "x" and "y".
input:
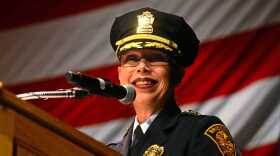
{"x": 164, "y": 76}
{"x": 124, "y": 76}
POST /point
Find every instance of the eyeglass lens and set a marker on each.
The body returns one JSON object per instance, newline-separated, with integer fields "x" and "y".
{"x": 152, "y": 60}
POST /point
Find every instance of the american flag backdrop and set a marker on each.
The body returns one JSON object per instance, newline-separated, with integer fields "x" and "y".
{"x": 235, "y": 77}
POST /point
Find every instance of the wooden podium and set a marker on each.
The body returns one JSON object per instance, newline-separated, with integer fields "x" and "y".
{"x": 26, "y": 130}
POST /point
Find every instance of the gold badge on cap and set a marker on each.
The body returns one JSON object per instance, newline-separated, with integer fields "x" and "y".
{"x": 154, "y": 150}
{"x": 145, "y": 22}
{"x": 220, "y": 135}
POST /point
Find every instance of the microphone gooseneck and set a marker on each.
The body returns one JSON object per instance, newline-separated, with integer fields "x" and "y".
{"x": 61, "y": 93}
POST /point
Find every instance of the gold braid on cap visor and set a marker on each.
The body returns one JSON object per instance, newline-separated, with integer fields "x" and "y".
{"x": 161, "y": 43}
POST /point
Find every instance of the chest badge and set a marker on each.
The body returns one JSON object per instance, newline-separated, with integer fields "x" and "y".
{"x": 154, "y": 150}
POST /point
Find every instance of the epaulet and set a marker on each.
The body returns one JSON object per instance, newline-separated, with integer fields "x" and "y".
{"x": 190, "y": 112}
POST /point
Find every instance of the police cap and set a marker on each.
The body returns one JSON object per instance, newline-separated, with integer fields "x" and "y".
{"x": 150, "y": 28}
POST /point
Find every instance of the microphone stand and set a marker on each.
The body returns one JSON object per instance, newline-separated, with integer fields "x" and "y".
{"x": 60, "y": 93}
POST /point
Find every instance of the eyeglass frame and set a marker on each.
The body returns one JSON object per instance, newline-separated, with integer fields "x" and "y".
{"x": 149, "y": 60}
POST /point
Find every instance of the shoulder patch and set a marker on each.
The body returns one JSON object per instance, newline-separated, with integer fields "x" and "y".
{"x": 222, "y": 138}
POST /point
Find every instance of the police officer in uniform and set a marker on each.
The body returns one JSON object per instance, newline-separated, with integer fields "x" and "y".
{"x": 153, "y": 49}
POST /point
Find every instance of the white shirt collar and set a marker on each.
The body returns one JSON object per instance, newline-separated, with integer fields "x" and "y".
{"x": 145, "y": 125}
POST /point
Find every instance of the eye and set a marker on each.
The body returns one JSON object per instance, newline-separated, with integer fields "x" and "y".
{"x": 130, "y": 59}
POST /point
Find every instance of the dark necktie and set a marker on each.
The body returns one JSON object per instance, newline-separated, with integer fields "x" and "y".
{"x": 138, "y": 134}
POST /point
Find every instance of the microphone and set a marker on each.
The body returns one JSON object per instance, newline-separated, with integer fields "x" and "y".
{"x": 98, "y": 86}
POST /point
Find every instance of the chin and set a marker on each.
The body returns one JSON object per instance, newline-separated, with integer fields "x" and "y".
{"x": 147, "y": 98}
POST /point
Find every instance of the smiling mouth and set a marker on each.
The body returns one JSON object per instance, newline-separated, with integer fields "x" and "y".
{"x": 144, "y": 83}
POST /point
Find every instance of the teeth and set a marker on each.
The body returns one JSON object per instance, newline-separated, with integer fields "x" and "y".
{"x": 144, "y": 83}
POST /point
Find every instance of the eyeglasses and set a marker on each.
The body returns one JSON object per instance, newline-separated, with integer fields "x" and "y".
{"x": 150, "y": 60}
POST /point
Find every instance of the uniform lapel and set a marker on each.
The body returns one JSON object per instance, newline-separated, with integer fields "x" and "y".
{"x": 126, "y": 141}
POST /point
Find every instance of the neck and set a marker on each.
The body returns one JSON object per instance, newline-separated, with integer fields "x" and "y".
{"x": 142, "y": 117}
{"x": 144, "y": 111}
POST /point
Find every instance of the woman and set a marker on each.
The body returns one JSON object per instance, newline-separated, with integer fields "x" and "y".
{"x": 154, "y": 48}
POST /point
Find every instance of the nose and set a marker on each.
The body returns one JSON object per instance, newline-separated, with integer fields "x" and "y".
{"x": 143, "y": 66}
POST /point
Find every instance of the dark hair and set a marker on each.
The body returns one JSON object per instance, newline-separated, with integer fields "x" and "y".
{"x": 177, "y": 73}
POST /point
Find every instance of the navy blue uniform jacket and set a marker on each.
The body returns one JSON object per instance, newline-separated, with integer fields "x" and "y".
{"x": 181, "y": 134}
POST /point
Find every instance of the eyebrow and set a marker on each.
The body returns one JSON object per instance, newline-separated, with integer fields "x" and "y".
{"x": 128, "y": 55}
{"x": 153, "y": 54}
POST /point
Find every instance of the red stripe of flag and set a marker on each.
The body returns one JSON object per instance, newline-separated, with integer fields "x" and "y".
{"x": 265, "y": 150}
{"x": 17, "y": 13}
{"x": 227, "y": 65}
